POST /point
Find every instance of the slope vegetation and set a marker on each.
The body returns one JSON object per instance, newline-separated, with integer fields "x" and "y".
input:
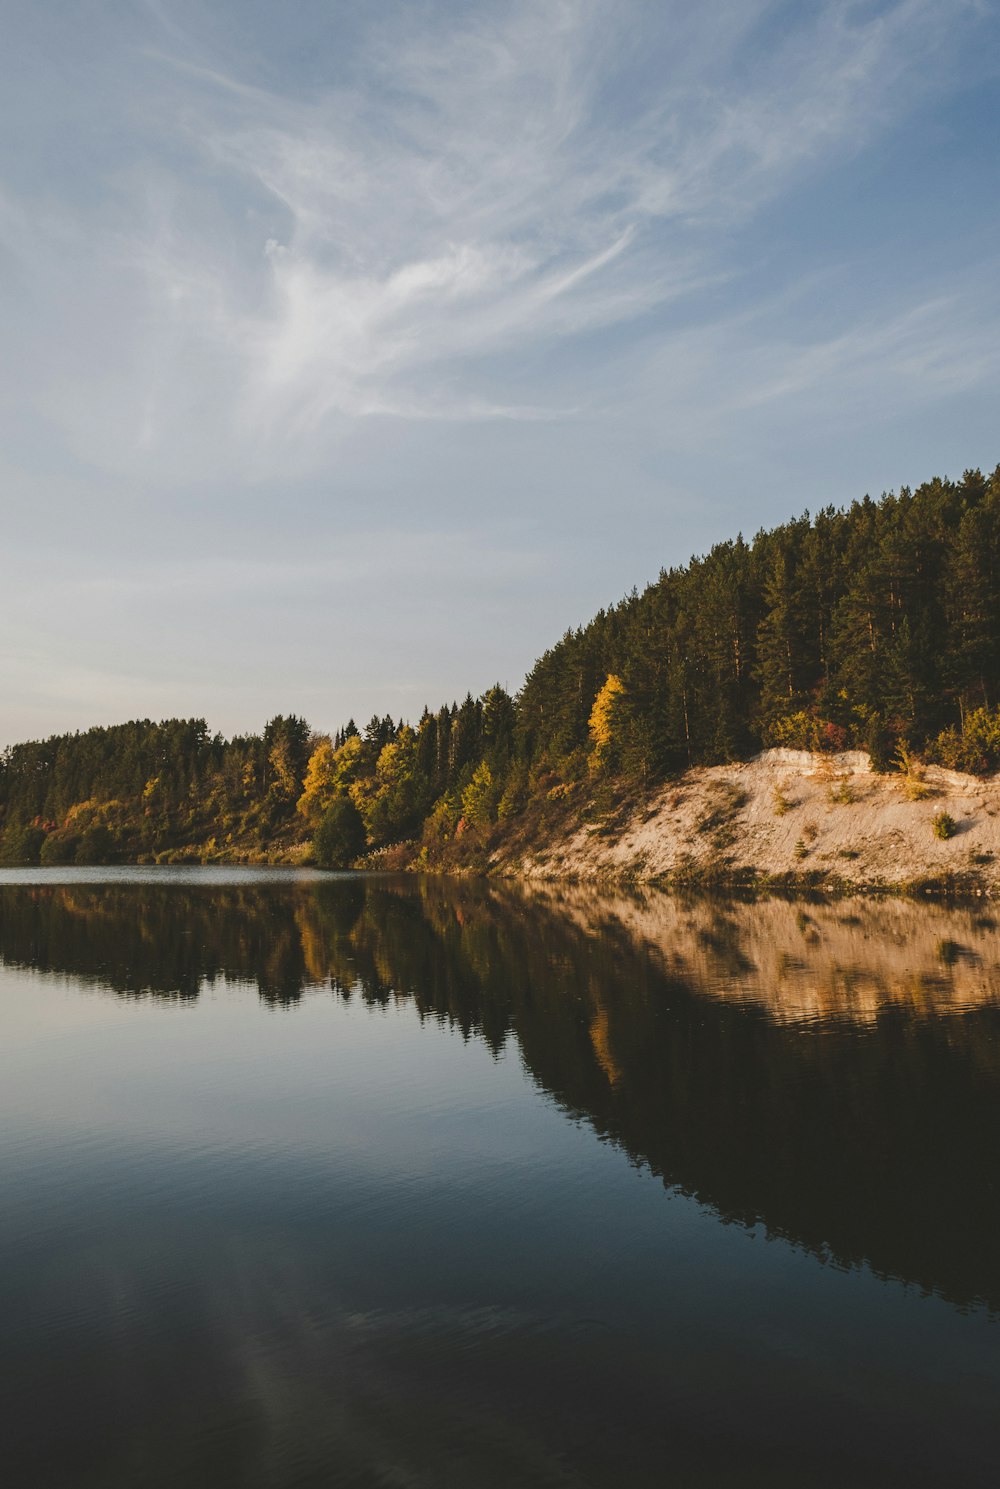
{"x": 865, "y": 639}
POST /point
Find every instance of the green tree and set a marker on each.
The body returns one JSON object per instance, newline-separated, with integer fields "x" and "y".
{"x": 96, "y": 845}
{"x": 393, "y": 802}
{"x": 21, "y": 845}
{"x": 479, "y": 799}
{"x": 340, "y": 837}
{"x": 286, "y": 748}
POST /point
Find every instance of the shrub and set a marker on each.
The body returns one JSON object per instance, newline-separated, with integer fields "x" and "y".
{"x": 781, "y": 802}
{"x": 59, "y": 848}
{"x": 805, "y": 731}
{"x": 944, "y": 825}
{"x": 795, "y": 731}
{"x": 96, "y": 845}
{"x": 340, "y": 837}
{"x": 840, "y": 792}
{"x": 915, "y": 788}
{"x": 801, "y": 851}
{"x": 976, "y": 749}
{"x": 832, "y": 737}
{"x": 21, "y": 844}
{"x": 880, "y": 743}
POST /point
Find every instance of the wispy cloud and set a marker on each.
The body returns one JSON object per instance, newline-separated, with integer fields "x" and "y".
{"x": 492, "y": 198}
{"x": 759, "y": 365}
{"x": 297, "y": 299}
{"x": 477, "y": 186}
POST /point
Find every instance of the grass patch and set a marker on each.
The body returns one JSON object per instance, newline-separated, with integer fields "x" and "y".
{"x": 781, "y": 802}
{"x": 840, "y": 792}
{"x": 913, "y": 783}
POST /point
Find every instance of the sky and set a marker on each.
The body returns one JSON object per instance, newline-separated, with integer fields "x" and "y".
{"x": 353, "y": 352}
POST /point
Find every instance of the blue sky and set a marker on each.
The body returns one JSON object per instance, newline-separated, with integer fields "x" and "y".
{"x": 353, "y": 352}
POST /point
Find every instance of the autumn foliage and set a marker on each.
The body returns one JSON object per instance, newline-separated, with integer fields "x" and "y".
{"x": 874, "y": 627}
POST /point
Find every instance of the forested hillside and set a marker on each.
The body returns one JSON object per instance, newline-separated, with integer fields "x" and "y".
{"x": 876, "y": 627}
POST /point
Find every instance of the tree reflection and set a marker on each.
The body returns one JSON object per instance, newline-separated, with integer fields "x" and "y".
{"x": 829, "y": 1074}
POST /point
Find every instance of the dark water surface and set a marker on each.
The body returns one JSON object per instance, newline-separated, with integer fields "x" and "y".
{"x": 315, "y": 1180}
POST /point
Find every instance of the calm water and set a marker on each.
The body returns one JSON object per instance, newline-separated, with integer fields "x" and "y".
{"x": 323, "y": 1181}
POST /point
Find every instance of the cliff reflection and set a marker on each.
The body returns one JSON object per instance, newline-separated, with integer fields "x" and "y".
{"x": 830, "y": 1074}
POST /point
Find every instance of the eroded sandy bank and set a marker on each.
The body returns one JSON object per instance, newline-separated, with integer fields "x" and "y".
{"x": 790, "y": 813}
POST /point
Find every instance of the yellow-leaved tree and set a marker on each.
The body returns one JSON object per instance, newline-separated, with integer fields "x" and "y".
{"x": 318, "y": 788}
{"x": 328, "y": 774}
{"x": 602, "y": 722}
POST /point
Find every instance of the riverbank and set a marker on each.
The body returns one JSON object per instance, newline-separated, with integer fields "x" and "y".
{"x": 788, "y": 818}
{"x": 785, "y": 821}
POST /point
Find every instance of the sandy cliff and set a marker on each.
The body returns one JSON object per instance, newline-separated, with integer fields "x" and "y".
{"x": 788, "y": 813}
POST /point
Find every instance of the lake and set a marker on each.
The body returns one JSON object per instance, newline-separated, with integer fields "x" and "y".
{"x": 330, "y": 1180}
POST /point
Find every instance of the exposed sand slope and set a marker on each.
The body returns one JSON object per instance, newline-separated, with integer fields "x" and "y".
{"x": 839, "y": 818}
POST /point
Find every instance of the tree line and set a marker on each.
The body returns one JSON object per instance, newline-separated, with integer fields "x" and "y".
{"x": 874, "y": 627}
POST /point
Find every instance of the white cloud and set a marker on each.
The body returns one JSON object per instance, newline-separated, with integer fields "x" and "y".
{"x": 759, "y": 367}
{"x": 486, "y": 184}
{"x": 506, "y": 258}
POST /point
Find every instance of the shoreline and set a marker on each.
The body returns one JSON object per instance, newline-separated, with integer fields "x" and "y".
{"x": 786, "y": 823}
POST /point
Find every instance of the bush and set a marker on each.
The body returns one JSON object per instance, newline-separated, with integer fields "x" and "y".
{"x": 976, "y": 749}
{"x": 795, "y": 731}
{"x": 442, "y": 820}
{"x": 880, "y": 742}
{"x": 944, "y": 825}
{"x": 915, "y": 787}
{"x": 96, "y": 845}
{"x": 340, "y": 837}
{"x": 832, "y": 737}
{"x": 806, "y": 731}
{"x": 21, "y": 845}
{"x": 59, "y": 848}
{"x": 840, "y": 792}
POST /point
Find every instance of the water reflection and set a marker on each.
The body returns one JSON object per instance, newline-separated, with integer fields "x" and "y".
{"x": 830, "y": 1074}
